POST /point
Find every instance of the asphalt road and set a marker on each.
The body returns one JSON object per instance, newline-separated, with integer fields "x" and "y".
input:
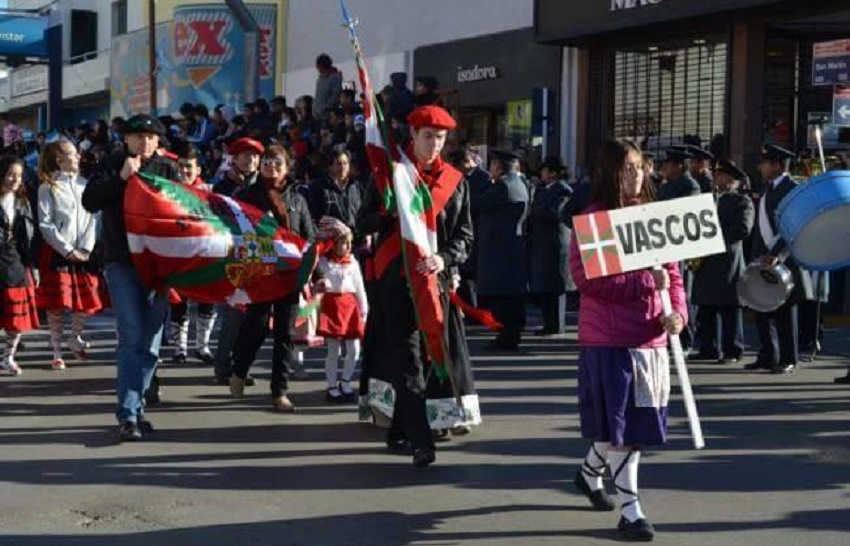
{"x": 223, "y": 472}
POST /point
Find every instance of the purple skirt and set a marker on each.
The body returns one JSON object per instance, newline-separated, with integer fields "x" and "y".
{"x": 607, "y": 401}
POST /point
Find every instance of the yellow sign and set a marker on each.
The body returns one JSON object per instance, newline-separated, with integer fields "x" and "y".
{"x": 519, "y": 116}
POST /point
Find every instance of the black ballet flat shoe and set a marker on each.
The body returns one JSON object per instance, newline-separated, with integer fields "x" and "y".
{"x": 757, "y": 366}
{"x": 600, "y": 500}
{"x": 424, "y": 457}
{"x": 784, "y": 369}
{"x": 145, "y": 426}
{"x": 843, "y": 380}
{"x": 399, "y": 447}
{"x": 635, "y": 531}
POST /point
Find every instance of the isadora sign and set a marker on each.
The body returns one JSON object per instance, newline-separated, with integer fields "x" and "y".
{"x": 639, "y": 237}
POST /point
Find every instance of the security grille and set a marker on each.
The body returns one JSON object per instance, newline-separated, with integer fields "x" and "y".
{"x": 662, "y": 96}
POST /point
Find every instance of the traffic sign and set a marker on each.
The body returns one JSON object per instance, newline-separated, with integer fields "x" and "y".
{"x": 831, "y": 62}
{"x": 841, "y": 106}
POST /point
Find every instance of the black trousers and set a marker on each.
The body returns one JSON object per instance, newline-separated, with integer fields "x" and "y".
{"x": 510, "y": 311}
{"x": 253, "y": 333}
{"x": 228, "y": 335}
{"x": 725, "y": 339}
{"x": 468, "y": 291}
{"x": 690, "y": 336}
{"x": 778, "y": 336}
{"x": 398, "y": 340}
{"x": 552, "y": 310}
{"x": 811, "y": 326}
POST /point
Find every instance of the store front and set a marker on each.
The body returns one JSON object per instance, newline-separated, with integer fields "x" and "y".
{"x": 726, "y": 73}
{"x": 494, "y": 84}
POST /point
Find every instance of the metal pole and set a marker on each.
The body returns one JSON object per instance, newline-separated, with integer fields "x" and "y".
{"x": 152, "y": 53}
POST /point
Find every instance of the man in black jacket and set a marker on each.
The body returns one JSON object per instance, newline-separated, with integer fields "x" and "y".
{"x": 140, "y": 314}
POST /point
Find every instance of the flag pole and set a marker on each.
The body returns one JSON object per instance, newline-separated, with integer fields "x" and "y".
{"x": 350, "y": 24}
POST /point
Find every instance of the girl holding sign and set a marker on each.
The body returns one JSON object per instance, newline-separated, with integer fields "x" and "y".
{"x": 624, "y": 368}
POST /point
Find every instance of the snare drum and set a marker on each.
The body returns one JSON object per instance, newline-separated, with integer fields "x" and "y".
{"x": 765, "y": 289}
{"x": 814, "y": 219}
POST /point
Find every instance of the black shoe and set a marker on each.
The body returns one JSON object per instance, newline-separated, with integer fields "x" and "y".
{"x": 206, "y": 358}
{"x": 757, "y": 366}
{"x": 843, "y": 380}
{"x": 399, "y": 446}
{"x": 635, "y": 531}
{"x": 424, "y": 457}
{"x": 783, "y": 369}
{"x": 223, "y": 380}
{"x": 600, "y": 500}
{"x": 544, "y": 332}
{"x": 441, "y": 435}
{"x": 496, "y": 346}
{"x": 334, "y": 396}
{"x": 703, "y": 357}
{"x": 179, "y": 359}
{"x": 145, "y": 426}
{"x": 249, "y": 381}
{"x": 129, "y": 432}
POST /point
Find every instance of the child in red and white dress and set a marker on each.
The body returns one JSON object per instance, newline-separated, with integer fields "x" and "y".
{"x": 17, "y": 285}
{"x": 342, "y": 314}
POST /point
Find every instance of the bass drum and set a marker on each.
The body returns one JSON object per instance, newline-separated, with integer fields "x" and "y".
{"x": 765, "y": 289}
{"x": 813, "y": 220}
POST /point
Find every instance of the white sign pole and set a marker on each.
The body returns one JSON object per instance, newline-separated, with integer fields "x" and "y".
{"x": 819, "y": 138}
{"x": 684, "y": 378}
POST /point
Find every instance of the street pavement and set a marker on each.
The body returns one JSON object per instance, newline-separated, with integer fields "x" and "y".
{"x": 222, "y": 472}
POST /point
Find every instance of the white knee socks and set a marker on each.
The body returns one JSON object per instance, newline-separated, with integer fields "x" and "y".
{"x": 332, "y": 361}
{"x": 352, "y": 355}
{"x": 624, "y": 468}
{"x": 180, "y": 336}
{"x": 56, "y": 323}
{"x": 13, "y": 339}
{"x": 594, "y": 465}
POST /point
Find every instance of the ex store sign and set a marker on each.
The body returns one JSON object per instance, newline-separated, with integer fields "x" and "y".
{"x": 644, "y": 236}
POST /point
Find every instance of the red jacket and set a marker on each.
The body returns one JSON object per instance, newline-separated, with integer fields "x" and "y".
{"x": 623, "y": 310}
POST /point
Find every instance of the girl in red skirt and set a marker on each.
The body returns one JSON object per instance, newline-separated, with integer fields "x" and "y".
{"x": 68, "y": 279}
{"x": 342, "y": 316}
{"x": 17, "y": 287}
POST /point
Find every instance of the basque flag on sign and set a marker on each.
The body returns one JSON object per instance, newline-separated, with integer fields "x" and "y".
{"x": 598, "y": 245}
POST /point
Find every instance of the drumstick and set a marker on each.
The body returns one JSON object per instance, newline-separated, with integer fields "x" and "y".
{"x": 684, "y": 379}
{"x": 819, "y": 139}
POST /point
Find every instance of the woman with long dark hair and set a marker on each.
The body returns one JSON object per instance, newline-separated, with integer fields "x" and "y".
{"x": 273, "y": 193}
{"x": 624, "y": 378}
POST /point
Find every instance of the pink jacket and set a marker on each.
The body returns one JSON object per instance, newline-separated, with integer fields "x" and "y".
{"x": 623, "y": 310}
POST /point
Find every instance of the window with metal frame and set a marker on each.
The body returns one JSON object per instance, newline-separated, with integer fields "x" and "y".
{"x": 665, "y": 96}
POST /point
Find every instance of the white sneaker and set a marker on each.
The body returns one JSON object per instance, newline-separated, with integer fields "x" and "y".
{"x": 8, "y": 366}
{"x": 79, "y": 347}
{"x": 58, "y": 364}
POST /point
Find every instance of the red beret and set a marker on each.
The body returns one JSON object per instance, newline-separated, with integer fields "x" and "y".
{"x": 245, "y": 144}
{"x": 431, "y": 116}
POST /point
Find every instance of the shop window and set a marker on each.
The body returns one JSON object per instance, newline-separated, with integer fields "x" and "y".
{"x": 665, "y": 96}
{"x": 119, "y": 18}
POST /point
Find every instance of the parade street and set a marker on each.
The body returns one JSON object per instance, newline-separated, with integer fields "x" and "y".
{"x": 221, "y": 472}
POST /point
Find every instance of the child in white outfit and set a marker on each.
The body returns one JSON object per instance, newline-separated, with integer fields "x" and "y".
{"x": 342, "y": 313}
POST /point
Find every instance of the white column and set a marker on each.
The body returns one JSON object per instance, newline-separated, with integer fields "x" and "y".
{"x": 569, "y": 106}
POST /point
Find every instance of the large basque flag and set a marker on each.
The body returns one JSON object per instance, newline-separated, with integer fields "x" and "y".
{"x": 402, "y": 190}
{"x": 210, "y": 247}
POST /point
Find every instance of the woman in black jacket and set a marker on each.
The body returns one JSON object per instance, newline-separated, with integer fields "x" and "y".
{"x": 273, "y": 193}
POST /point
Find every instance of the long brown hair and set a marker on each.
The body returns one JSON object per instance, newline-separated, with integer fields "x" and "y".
{"x": 6, "y": 163}
{"x": 608, "y": 185}
{"x": 48, "y": 161}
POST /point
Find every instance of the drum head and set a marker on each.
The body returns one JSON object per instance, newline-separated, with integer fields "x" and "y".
{"x": 823, "y": 243}
{"x": 763, "y": 291}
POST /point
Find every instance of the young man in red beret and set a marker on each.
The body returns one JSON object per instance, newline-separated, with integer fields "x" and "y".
{"x": 393, "y": 339}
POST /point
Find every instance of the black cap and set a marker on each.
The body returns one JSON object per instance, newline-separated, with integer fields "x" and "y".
{"x": 678, "y": 154}
{"x": 729, "y": 167}
{"x": 144, "y": 123}
{"x": 700, "y": 153}
{"x": 773, "y": 152}
{"x": 554, "y": 164}
{"x": 504, "y": 155}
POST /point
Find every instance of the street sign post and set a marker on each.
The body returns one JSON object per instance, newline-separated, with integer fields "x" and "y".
{"x": 841, "y": 106}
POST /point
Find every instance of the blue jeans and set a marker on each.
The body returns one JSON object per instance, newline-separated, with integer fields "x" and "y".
{"x": 139, "y": 316}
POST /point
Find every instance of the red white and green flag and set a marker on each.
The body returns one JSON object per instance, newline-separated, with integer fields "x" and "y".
{"x": 402, "y": 190}
{"x": 210, "y": 247}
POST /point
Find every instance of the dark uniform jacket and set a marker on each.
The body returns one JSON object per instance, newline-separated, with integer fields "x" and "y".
{"x": 715, "y": 282}
{"x": 479, "y": 182}
{"x": 773, "y": 196}
{"x": 501, "y": 269}
{"x": 549, "y": 240}
{"x": 105, "y": 193}
{"x": 16, "y": 252}
{"x": 684, "y": 186}
{"x": 705, "y": 181}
